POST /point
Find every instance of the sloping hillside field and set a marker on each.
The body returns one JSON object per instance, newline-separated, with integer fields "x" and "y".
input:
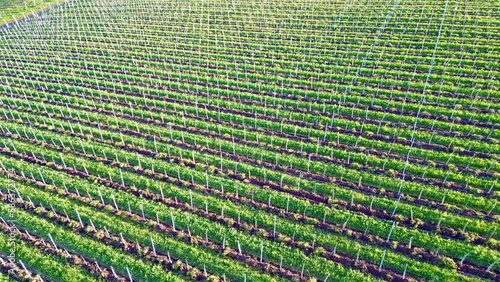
{"x": 244, "y": 140}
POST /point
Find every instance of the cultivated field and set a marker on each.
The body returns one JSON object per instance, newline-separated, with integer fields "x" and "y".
{"x": 231, "y": 140}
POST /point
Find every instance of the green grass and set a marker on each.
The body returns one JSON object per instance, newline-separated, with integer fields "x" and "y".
{"x": 17, "y": 9}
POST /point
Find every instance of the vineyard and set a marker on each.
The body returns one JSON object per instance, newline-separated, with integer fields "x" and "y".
{"x": 250, "y": 140}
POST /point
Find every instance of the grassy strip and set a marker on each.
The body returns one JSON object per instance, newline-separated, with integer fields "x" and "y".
{"x": 12, "y": 10}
